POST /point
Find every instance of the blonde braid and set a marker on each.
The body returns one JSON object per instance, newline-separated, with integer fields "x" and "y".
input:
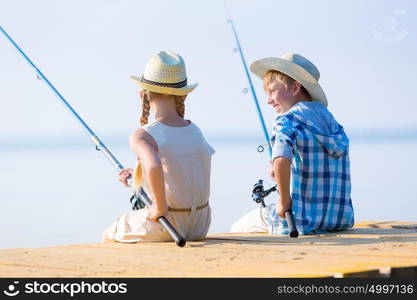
{"x": 145, "y": 109}
{"x": 179, "y": 103}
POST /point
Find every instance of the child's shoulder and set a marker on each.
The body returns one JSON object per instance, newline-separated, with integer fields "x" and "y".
{"x": 285, "y": 123}
{"x": 306, "y": 113}
{"x": 302, "y": 115}
{"x": 286, "y": 119}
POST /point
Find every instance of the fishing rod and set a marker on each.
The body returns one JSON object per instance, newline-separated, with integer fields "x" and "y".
{"x": 137, "y": 199}
{"x": 251, "y": 88}
{"x": 258, "y": 190}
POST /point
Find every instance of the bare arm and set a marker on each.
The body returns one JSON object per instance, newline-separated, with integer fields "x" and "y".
{"x": 282, "y": 170}
{"x": 146, "y": 149}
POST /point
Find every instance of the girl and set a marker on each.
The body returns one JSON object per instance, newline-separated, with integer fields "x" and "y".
{"x": 173, "y": 156}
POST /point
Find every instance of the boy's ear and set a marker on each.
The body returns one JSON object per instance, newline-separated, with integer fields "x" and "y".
{"x": 296, "y": 88}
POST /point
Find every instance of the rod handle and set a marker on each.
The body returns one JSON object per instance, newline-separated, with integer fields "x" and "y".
{"x": 179, "y": 240}
{"x": 293, "y": 232}
{"x": 129, "y": 181}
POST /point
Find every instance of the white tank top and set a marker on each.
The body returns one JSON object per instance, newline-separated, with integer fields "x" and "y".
{"x": 186, "y": 161}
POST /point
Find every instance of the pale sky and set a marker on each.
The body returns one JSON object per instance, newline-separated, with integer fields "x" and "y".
{"x": 365, "y": 51}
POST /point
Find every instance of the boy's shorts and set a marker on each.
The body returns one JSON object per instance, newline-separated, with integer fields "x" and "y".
{"x": 254, "y": 221}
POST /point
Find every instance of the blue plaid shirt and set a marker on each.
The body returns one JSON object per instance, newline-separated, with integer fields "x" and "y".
{"x": 318, "y": 147}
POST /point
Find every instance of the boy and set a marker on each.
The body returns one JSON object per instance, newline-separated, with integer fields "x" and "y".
{"x": 310, "y": 156}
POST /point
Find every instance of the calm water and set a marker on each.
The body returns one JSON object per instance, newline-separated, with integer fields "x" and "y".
{"x": 65, "y": 195}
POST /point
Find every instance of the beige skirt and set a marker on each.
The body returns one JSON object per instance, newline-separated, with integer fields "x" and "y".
{"x": 134, "y": 227}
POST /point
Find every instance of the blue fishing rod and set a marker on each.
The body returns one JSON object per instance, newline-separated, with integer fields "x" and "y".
{"x": 258, "y": 192}
{"x": 251, "y": 88}
{"x": 138, "y": 199}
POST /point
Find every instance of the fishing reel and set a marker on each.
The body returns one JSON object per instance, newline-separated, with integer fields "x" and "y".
{"x": 136, "y": 202}
{"x": 259, "y": 193}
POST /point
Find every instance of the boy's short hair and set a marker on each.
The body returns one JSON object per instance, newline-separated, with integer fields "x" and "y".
{"x": 281, "y": 77}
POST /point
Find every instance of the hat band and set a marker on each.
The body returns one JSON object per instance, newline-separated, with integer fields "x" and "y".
{"x": 171, "y": 85}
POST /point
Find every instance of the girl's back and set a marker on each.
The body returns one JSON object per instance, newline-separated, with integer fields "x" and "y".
{"x": 186, "y": 159}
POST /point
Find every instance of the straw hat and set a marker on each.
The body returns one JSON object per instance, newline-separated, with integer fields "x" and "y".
{"x": 165, "y": 74}
{"x": 298, "y": 68}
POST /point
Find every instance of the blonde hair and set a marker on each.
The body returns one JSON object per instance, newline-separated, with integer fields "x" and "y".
{"x": 137, "y": 176}
{"x": 179, "y": 103}
{"x": 283, "y": 78}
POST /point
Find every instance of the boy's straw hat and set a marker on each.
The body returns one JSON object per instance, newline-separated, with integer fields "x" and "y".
{"x": 298, "y": 68}
{"x": 165, "y": 74}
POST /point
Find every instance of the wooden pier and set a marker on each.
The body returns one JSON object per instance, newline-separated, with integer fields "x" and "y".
{"x": 370, "y": 249}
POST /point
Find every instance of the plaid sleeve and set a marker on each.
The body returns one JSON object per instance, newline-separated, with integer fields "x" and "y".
{"x": 283, "y": 137}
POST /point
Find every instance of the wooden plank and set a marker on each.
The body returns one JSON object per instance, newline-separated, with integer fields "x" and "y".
{"x": 370, "y": 250}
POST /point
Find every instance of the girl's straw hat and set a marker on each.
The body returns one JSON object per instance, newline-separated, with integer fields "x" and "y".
{"x": 298, "y": 68}
{"x": 165, "y": 74}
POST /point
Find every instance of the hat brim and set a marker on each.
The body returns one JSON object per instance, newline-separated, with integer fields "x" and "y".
{"x": 262, "y": 66}
{"x": 165, "y": 90}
